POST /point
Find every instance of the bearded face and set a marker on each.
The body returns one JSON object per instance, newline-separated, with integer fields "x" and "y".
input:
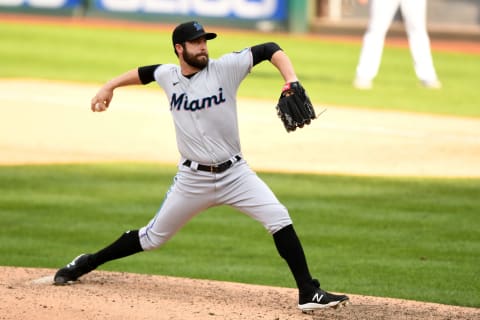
{"x": 199, "y": 60}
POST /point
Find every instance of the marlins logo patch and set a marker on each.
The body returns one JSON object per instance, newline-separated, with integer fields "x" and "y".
{"x": 197, "y": 26}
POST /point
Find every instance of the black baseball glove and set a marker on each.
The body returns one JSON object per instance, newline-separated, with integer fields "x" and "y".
{"x": 294, "y": 107}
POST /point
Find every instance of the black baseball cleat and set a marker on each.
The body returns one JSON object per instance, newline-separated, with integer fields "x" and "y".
{"x": 74, "y": 270}
{"x": 320, "y": 299}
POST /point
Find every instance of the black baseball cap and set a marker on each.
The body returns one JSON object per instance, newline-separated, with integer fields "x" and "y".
{"x": 189, "y": 31}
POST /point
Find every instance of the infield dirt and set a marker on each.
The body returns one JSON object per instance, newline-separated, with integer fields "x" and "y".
{"x": 29, "y": 294}
{"x": 51, "y": 122}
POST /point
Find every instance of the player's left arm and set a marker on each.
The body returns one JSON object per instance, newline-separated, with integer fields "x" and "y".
{"x": 281, "y": 61}
{"x": 272, "y": 52}
{"x": 294, "y": 107}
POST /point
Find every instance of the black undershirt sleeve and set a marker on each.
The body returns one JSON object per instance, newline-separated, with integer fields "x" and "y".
{"x": 264, "y": 52}
{"x": 146, "y": 73}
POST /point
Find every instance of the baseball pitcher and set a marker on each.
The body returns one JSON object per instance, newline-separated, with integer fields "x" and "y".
{"x": 212, "y": 170}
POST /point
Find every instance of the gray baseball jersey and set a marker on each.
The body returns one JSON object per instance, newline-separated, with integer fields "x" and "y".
{"x": 204, "y": 107}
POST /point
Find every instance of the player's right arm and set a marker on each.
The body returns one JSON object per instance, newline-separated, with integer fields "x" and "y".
{"x": 141, "y": 75}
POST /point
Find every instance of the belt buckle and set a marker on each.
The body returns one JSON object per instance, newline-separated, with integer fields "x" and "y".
{"x": 211, "y": 169}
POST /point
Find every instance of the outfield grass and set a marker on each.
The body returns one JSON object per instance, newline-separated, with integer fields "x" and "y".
{"x": 326, "y": 68}
{"x": 397, "y": 237}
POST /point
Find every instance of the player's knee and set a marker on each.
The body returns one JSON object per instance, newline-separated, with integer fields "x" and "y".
{"x": 279, "y": 225}
{"x": 278, "y": 218}
{"x": 150, "y": 240}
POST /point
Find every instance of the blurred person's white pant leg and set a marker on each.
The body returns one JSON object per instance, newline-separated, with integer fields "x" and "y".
{"x": 414, "y": 14}
{"x": 381, "y": 16}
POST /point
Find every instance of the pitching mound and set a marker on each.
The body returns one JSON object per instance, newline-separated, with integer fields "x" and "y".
{"x": 29, "y": 294}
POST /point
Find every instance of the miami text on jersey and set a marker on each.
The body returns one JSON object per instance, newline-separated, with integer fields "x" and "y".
{"x": 181, "y": 102}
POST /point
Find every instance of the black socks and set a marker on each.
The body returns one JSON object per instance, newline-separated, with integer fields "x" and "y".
{"x": 126, "y": 245}
{"x": 286, "y": 241}
{"x": 290, "y": 249}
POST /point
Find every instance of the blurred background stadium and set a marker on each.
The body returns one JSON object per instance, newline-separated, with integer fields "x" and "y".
{"x": 453, "y": 19}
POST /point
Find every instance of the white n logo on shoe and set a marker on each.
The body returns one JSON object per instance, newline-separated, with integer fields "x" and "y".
{"x": 317, "y": 298}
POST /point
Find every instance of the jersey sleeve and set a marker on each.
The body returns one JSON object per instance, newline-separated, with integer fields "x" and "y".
{"x": 234, "y": 66}
{"x": 165, "y": 75}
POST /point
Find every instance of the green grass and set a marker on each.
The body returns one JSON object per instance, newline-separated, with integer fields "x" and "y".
{"x": 398, "y": 237}
{"x": 325, "y": 68}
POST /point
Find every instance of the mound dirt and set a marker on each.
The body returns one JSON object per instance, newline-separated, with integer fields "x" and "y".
{"x": 29, "y": 294}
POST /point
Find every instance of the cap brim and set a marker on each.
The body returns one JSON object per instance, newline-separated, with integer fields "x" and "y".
{"x": 207, "y": 35}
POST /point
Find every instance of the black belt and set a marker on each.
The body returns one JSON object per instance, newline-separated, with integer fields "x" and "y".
{"x": 214, "y": 169}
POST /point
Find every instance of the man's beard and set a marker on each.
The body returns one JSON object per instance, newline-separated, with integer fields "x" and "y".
{"x": 198, "y": 61}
